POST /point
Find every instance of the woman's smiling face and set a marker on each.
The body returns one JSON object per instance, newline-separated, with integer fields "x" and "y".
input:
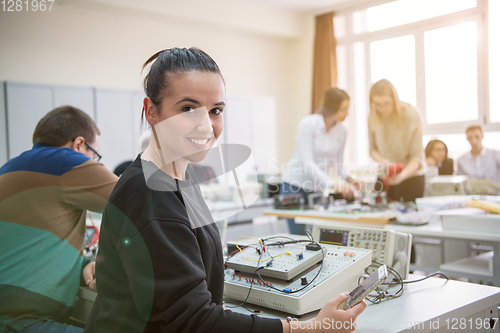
{"x": 189, "y": 119}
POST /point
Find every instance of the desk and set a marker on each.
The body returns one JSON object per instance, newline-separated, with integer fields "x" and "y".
{"x": 368, "y": 219}
{"x": 433, "y": 231}
{"x": 426, "y": 306}
{"x": 234, "y": 212}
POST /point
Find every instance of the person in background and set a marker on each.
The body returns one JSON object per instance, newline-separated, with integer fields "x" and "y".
{"x": 320, "y": 144}
{"x": 143, "y": 144}
{"x": 160, "y": 265}
{"x": 44, "y": 195}
{"x": 480, "y": 162}
{"x": 436, "y": 154}
{"x": 121, "y": 168}
{"x": 395, "y": 138}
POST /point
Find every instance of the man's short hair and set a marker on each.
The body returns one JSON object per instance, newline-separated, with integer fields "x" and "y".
{"x": 474, "y": 127}
{"x": 64, "y": 124}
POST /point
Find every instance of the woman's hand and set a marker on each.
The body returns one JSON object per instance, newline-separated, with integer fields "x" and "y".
{"x": 331, "y": 318}
{"x": 408, "y": 171}
{"x": 344, "y": 189}
{"x": 396, "y": 179}
{"x": 89, "y": 275}
{"x": 431, "y": 161}
{"x": 354, "y": 182}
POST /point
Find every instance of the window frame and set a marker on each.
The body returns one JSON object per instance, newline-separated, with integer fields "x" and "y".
{"x": 479, "y": 14}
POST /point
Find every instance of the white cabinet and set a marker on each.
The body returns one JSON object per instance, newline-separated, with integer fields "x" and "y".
{"x": 251, "y": 121}
{"x": 264, "y": 140}
{"x": 137, "y": 126}
{"x": 114, "y": 119}
{"x": 118, "y": 114}
{"x": 79, "y": 97}
{"x": 26, "y": 105}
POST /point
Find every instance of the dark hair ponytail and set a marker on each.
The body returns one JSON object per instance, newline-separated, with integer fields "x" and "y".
{"x": 174, "y": 61}
{"x": 333, "y": 99}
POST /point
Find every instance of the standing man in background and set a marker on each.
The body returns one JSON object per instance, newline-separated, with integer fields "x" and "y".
{"x": 480, "y": 162}
{"x": 44, "y": 195}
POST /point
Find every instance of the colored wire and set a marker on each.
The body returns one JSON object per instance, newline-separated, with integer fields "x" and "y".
{"x": 279, "y": 244}
{"x": 274, "y": 237}
{"x": 250, "y": 289}
{"x": 261, "y": 243}
{"x": 307, "y": 285}
{"x": 91, "y": 246}
{"x": 234, "y": 253}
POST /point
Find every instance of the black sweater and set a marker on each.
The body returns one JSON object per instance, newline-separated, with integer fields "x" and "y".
{"x": 160, "y": 266}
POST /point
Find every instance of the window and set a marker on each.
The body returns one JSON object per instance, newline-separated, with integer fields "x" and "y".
{"x": 457, "y": 143}
{"x": 341, "y": 66}
{"x": 451, "y": 74}
{"x": 394, "y": 59}
{"x": 401, "y": 12}
{"x": 494, "y": 59}
{"x": 436, "y": 55}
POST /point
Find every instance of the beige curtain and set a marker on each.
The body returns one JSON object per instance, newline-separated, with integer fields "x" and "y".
{"x": 325, "y": 59}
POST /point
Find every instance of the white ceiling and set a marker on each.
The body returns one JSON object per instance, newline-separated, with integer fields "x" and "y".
{"x": 308, "y": 5}
{"x": 281, "y": 18}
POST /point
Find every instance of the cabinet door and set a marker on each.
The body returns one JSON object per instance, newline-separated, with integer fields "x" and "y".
{"x": 238, "y": 121}
{"x": 237, "y": 130}
{"x": 114, "y": 119}
{"x": 26, "y": 105}
{"x": 3, "y": 127}
{"x": 79, "y": 97}
{"x": 251, "y": 121}
{"x": 138, "y": 127}
{"x": 264, "y": 138}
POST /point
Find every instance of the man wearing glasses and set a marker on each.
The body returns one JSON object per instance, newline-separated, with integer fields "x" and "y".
{"x": 44, "y": 195}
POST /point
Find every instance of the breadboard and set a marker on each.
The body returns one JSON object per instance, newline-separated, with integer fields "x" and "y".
{"x": 286, "y": 262}
{"x": 341, "y": 269}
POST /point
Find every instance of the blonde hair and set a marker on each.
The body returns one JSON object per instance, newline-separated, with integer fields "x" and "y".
{"x": 385, "y": 88}
{"x": 474, "y": 127}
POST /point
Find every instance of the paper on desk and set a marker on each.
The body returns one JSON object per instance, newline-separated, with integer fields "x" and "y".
{"x": 461, "y": 211}
{"x": 471, "y": 220}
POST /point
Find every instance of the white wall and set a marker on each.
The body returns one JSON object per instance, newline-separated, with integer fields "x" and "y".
{"x": 103, "y": 47}
{"x": 299, "y": 98}
{"x": 233, "y": 14}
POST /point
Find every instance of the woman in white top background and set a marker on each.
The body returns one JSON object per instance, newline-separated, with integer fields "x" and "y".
{"x": 321, "y": 141}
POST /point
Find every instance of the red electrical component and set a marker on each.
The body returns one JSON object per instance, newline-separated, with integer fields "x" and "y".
{"x": 393, "y": 170}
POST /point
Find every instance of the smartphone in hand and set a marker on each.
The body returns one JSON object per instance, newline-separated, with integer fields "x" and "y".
{"x": 365, "y": 288}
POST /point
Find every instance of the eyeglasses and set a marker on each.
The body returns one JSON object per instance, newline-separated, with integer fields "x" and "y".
{"x": 97, "y": 157}
{"x": 385, "y": 105}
